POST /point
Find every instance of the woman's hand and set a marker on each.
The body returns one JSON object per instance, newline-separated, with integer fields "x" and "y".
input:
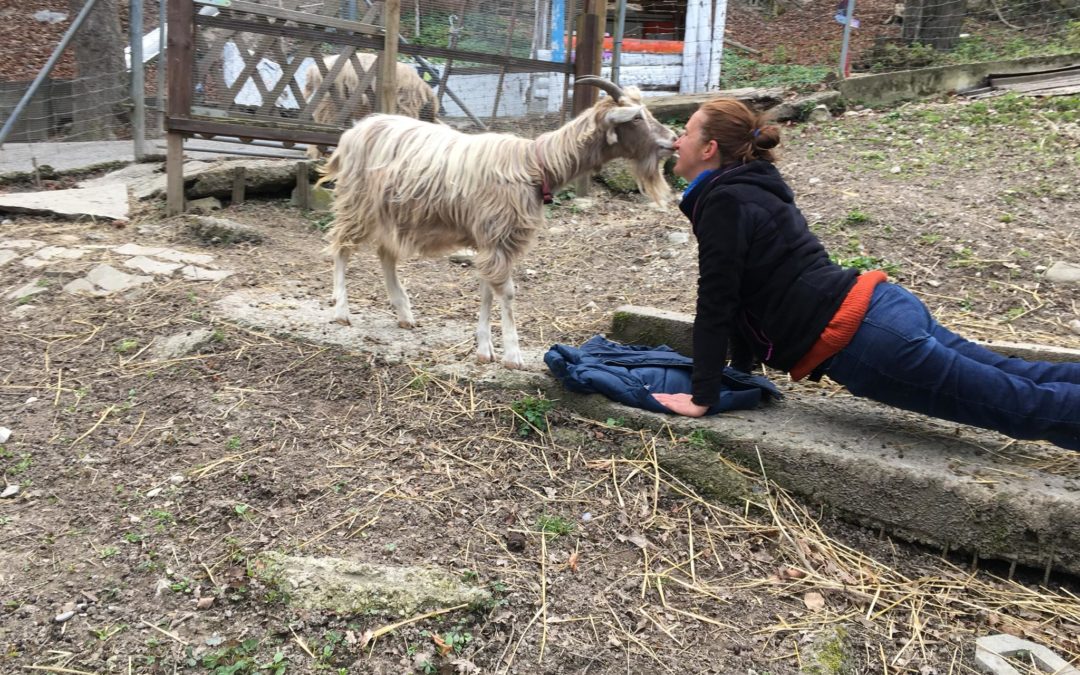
{"x": 681, "y": 404}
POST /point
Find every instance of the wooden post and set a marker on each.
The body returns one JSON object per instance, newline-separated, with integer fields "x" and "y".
{"x": 180, "y": 57}
{"x": 239, "y": 185}
{"x": 303, "y": 185}
{"x": 388, "y": 76}
{"x": 587, "y": 60}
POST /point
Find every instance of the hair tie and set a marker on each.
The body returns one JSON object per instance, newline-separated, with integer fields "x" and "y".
{"x": 756, "y": 132}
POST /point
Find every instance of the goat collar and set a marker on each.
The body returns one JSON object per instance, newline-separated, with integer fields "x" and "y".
{"x": 545, "y": 186}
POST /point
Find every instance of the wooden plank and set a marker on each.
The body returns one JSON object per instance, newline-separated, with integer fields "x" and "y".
{"x": 306, "y": 18}
{"x": 387, "y": 100}
{"x": 514, "y": 64}
{"x": 174, "y": 174}
{"x": 278, "y": 132}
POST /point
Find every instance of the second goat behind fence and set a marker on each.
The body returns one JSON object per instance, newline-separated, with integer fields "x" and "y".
{"x": 406, "y": 187}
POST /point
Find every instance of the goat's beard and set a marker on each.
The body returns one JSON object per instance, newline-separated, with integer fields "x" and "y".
{"x": 650, "y": 179}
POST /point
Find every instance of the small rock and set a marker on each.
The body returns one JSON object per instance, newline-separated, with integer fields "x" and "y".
{"x": 895, "y": 169}
{"x": 820, "y": 113}
{"x": 1063, "y": 272}
{"x": 9, "y": 492}
{"x": 667, "y": 254}
{"x": 814, "y": 181}
{"x": 678, "y": 237}
{"x": 61, "y": 618}
{"x": 153, "y": 493}
{"x": 1074, "y": 326}
{"x": 6, "y": 221}
{"x": 204, "y": 205}
{"x": 5, "y": 434}
{"x": 176, "y": 479}
{"x": 463, "y": 257}
{"x": 221, "y": 230}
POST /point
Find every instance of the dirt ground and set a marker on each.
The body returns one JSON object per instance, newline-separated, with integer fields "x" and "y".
{"x": 148, "y": 486}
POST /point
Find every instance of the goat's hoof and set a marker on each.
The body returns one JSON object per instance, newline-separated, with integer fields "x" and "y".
{"x": 484, "y": 358}
{"x": 514, "y": 364}
{"x": 342, "y": 321}
{"x": 406, "y": 324}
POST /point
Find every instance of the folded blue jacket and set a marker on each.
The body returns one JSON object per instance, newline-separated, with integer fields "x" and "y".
{"x": 631, "y": 374}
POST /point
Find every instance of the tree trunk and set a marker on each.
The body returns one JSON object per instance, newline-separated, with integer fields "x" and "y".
{"x": 100, "y": 90}
{"x": 934, "y": 22}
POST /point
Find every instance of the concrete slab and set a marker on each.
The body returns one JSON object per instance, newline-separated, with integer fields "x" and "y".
{"x": 372, "y": 333}
{"x": 920, "y": 479}
{"x": 992, "y": 652}
{"x": 109, "y": 202}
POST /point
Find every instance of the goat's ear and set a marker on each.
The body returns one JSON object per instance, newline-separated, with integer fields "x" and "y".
{"x": 624, "y": 113}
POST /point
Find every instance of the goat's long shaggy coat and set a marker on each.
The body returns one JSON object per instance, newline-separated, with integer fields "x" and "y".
{"x": 409, "y": 188}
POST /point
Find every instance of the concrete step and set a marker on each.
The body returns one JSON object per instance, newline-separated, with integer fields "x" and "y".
{"x": 921, "y": 479}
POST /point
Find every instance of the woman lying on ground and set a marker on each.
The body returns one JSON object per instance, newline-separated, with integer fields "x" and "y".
{"x": 767, "y": 290}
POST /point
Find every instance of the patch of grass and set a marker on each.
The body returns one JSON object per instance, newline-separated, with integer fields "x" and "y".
{"x": 324, "y": 222}
{"x": 108, "y": 552}
{"x": 233, "y": 443}
{"x": 533, "y": 411}
{"x": 856, "y": 217}
{"x": 742, "y": 71}
{"x": 126, "y": 345}
{"x": 866, "y": 263}
{"x": 555, "y": 525}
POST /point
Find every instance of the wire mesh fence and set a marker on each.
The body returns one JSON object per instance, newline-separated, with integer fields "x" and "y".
{"x": 85, "y": 101}
{"x": 482, "y": 61}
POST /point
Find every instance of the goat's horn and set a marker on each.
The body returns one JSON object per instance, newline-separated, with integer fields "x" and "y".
{"x": 607, "y": 86}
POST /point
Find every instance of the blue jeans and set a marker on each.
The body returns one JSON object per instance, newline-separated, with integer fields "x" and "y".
{"x": 902, "y": 357}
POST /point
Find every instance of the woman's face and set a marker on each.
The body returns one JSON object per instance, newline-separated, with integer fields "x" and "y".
{"x": 695, "y": 154}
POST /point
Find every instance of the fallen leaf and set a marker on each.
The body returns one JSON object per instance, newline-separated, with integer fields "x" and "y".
{"x": 814, "y": 601}
{"x": 441, "y": 645}
{"x": 792, "y": 573}
{"x": 572, "y": 562}
{"x": 205, "y": 602}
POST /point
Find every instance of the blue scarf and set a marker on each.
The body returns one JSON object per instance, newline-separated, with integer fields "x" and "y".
{"x": 700, "y": 178}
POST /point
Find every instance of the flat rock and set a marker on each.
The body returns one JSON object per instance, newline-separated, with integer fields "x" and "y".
{"x": 1064, "y": 273}
{"x": 193, "y": 273}
{"x": 25, "y": 291}
{"x": 222, "y": 230}
{"x": 181, "y": 344}
{"x": 7, "y": 255}
{"x": 105, "y": 280}
{"x": 107, "y": 201}
{"x": 151, "y": 266}
{"x": 21, "y": 243}
{"x": 349, "y": 587}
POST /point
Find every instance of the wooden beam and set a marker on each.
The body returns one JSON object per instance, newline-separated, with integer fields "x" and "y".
{"x": 174, "y": 174}
{"x": 277, "y": 132}
{"x": 303, "y": 185}
{"x": 299, "y": 17}
{"x": 388, "y": 76}
{"x": 587, "y": 60}
{"x": 180, "y": 63}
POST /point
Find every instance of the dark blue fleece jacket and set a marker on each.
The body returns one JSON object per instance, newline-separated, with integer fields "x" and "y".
{"x": 631, "y": 374}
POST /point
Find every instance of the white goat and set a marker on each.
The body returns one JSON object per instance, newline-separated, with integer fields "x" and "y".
{"x": 409, "y": 187}
{"x": 415, "y": 98}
